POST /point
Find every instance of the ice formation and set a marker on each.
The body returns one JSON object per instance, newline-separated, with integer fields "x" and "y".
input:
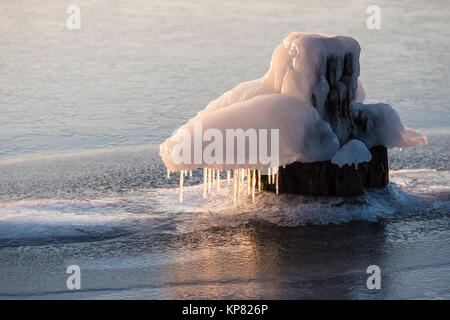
{"x": 379, "y": 124}
{"x": 353, "y": 152}
{"x": 297, "y": 69}
{"x": 306, "y": 72}
{"x": 303, "y": 135}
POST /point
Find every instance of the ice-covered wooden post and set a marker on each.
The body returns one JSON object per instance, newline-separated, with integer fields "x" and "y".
{"x": 334, "y": 95}
{"x": 311, "y": 98}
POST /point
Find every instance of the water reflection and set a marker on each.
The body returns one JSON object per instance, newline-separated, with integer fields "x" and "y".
{"x": 260, "y": 260}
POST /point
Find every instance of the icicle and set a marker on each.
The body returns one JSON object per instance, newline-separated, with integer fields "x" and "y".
{"x": 269, "y": 175}
{"x": 253, "y": 185}
{"x": 235, "y": 181}
{"x": 190, "y": 173}
{"x": 273, "y": 174}
{"x": 248, "y": 181}
{"x": 218, "y": 181}
{"x": 276, "y": 182}
{"x": 180, "y": 193}
{"x": 213, "y": 178}
{"x": 209, "y": 180}
{"x": 228, "y": 176}
{"x": 168, "y": 174}
{"x": 259, "y": 180}
{"x": 205, "y": 181}
{"x": 239, "y": 178}
{"x": 185, "y": 173}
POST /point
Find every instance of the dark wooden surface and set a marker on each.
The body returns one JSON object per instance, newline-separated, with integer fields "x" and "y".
{"x": 325, "y": 178}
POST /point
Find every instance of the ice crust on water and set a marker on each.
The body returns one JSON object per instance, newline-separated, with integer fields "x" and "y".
{"x": 291, "y": 97}
{"x": 412, "y": 193}
{"x": 353, "y": 152}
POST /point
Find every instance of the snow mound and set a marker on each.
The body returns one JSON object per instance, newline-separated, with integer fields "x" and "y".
{"x": 353, "y": 152}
